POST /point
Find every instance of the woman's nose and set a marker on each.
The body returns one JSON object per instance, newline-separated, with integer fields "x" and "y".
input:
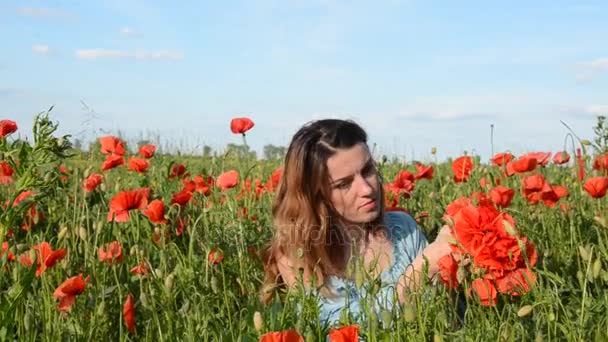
{"x": 365, "y": 187}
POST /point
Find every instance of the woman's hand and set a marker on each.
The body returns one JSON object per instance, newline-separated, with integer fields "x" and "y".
{"x": 439, "y": 248}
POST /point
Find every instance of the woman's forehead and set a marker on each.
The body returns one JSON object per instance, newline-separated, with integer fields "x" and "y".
{"x": 348, "y": 161}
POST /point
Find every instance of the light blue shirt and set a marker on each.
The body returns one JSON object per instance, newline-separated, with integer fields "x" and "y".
{"x": 408, "y": 241}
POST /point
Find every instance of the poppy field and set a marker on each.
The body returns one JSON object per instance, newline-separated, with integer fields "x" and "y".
{"x": 126, "y": 243}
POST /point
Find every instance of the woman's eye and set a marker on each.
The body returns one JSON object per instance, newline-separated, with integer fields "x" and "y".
{"x": 344, "y": 185}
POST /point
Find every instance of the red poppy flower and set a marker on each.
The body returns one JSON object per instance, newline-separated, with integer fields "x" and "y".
{"x": 45, "y": 256}
{"x": 10, "y": 256}
{"x": 448, "y": 267}
{"x": 68, "y": 290}
{"x": 521, "y": 165}
{"x": 92, "y": 182}
{"x": 125, "y": 201}
{"x": 112, "y": 161}
{"x": 581, "y": 164}
{"x": 542, "y": 158}
{"x": 403, "y": 178}
{"x": 177, "y": 170}
{"x": 282, "y": 336}
{"x": 517, "y": 282}
{"x": 6, "y": 173}
{"x": 147, "y": 151}
{"x": 274, "y": 179}
{"x": 215, "y": 257}
{"x": 203, "y": 184}
{"x": 156, "y": 212}
{"x": 241, "y": 125}
{"x": 228, "y": 179}
{"x": 348, "y": 333}
{"x": 138, "y": 164}
{"x": 33, "y": 215}
{"x": 110, "y": 252}
{"x": 128, "y": 312}
{"x": 112, "y": 144}
{"x": 600, "y": 162}
{"x": 596, "y": 186}
{"x": 140, "y": 269}
{"x": 182, "y": 222}
{"x": 532, "y": 187}
{"x": 502, "y": 196}
{"x": 499, "y": 159}
{"x": 181, "y": 198}
{"x": 7, "y": 127}
{"x": 485, "y": 290}
{"x": 462, "y": 167}
{"x": 199, "y": 184}
{"x": 424, "y": 172}
{"x": 561, "y": 158}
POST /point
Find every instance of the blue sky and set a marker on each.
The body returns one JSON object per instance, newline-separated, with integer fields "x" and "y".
{"x": 414, "y": 73}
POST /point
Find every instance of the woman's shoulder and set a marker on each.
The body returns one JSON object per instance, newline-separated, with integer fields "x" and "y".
{"x": 399, "y": 224}
{"x": 407, "y": 238}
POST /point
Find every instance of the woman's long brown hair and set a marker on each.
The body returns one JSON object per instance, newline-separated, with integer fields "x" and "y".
{"x": 307, "y": 228}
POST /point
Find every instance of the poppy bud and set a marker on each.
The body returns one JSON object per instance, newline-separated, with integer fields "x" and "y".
{"x": 434, "y": 150}
{"x": 158, "y": 272}
{"x": 539, "y": 337}
{"x": 584, "y": 253}
{"x": 213, "y": 283}
{"x": 409, "y": 313}
{"x": 87, "y": 172}
{"x": 258, "y": 321}
{"x": 601, "y": 221}
{"x": 524, "y": 310}
{"x": 62, "y": 233}
{"x": 98, "y": 227}
{"x": 460, "y": 274}
{"x": 82, "y": 233}
{"x": 101, "y": 309}
{"x": 27, "y": 321}
{"x": 387, "y": 318}
{"x": 48, "y": 177}
{"x": 509, "y": 228}
{"x": 145, "y": 301}
{"x": 169, "y": 281}
{"x": 597, "y": 267}
{"x": 359, "y": 277}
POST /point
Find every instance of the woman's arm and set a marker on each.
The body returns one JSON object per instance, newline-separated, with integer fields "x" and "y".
{"x": 412, "y": 278}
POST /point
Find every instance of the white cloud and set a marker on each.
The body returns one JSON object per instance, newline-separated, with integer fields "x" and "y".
{"x": 597, "y": 109}
{"x": 43, "y": 12}
{"x": 587, "y": 71}
{"x": 598, "y": 64}
{"x": 93, "y": 54}
{"x": 41, "y": 49}
{"x": 129, "y": 32}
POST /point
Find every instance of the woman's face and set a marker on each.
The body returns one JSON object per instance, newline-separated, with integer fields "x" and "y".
{"x": 355, "y": 189}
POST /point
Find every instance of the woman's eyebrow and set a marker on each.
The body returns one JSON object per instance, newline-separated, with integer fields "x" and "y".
{"x": 368, "y": 162}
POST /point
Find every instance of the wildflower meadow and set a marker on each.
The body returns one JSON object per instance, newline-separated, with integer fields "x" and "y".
{"x": 128, "y": 243}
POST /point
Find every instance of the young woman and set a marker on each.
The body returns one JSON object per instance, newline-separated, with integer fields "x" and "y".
{"x": 329, "y": 213}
